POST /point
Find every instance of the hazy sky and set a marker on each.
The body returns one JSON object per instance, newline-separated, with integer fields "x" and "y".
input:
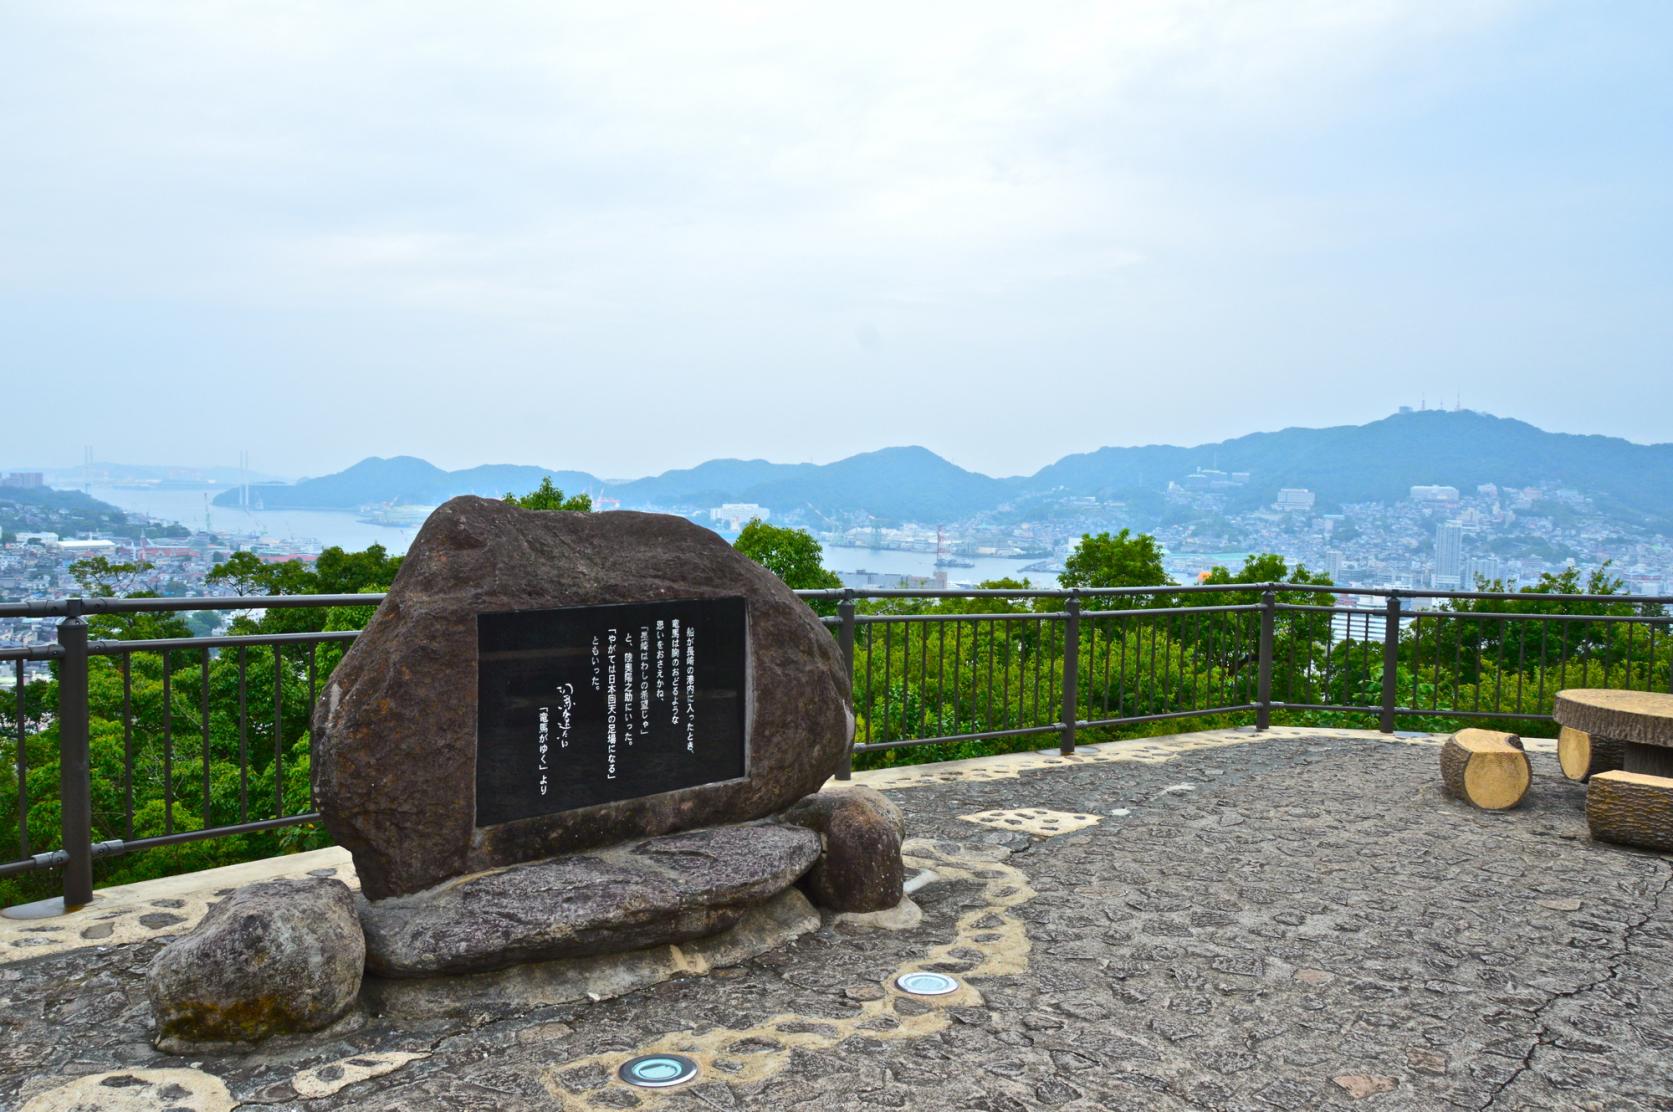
{"x": 627, "y": 237}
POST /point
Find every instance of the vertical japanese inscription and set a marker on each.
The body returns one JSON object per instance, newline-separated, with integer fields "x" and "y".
{"x": 594, "y": 704}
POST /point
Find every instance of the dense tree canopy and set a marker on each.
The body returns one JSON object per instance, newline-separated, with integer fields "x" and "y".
{"x": 791, "y": 554}
{"x": 548, "y": 497}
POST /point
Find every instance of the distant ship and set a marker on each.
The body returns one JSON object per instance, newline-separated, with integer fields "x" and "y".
{"x": 394, "y": 516}
{"x": 954, "y": 562}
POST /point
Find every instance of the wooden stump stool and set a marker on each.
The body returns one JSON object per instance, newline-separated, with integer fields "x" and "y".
{"x": 1583, "y": 755}
{"x": 1631, "y": 809}
{"x": 1486, "y": 768}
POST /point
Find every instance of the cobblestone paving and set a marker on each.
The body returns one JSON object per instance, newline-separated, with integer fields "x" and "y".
{"x": 1297, "y": 923}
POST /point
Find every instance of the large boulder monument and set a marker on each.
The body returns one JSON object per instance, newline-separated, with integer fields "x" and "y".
{"x": 538, "y": 682}
{"x": 562, "y": 737}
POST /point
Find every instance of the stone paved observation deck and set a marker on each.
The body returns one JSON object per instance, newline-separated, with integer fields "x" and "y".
{"x": 1226, "y": 920}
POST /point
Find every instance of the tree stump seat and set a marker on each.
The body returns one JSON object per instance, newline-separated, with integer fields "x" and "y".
{"x": 1631, "y": 809}
{"x": 1486, "y": 768}
{"x": 1583, "y": 755}
{"x": 1637, "y": 724}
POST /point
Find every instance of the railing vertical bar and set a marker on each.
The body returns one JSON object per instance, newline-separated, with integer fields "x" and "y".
{"x": 1650, "y": 665}
{"x": 888, "y": 683}
{"x": 1109, "y": 652}
{"x": 1417, "y": 657}
{"x": 1329, "y": 651}
{"x": 1121, "y": 678}
{"x": 278, "y": 732}
{"x": 1435, "y": 695}
{"x": 1071, "y": 675}
{"x": 845, "y": 641}
{"x": 958, "y": 676}
{"x": 243, "y": 741}
{"x": 1263, "y": 709}
{"x": 75, "y": 788}
{"x": 1391, "y": 663}
{"x": 1196, "y": 643}
{"x": 1150, "y": 703}
{"x": 127, "y": 745}
{"x": 168, "y": 746}
{"x": 1457, "y": 658}
{"x": 1039, "y": 646}
{"x": 1562, "y": 656}
{"x": 1499, "y": 672}
{"x": 941, "y": 679}
{"x": 22, "y": 762}
{"x": 1544, "y": 630}
{"x": 203, "y": 717}
{"x": 870, "y": 691}
{"x": 993, "y": 652}
{"x": 1522, "y": 663}
{"x": 923, "y": 677}
{"x": 1005, "y": 680}
{"x": 313, "y": 696}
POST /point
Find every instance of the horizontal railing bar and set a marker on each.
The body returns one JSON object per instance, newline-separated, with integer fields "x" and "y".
{"x": 168, "y": 644}
{"x": 63, "y": 608}
{"x": 117, "y": 847}
{"x": 1235, "y": 708}
{"x": 985, "y": 735}
{"x": 1339, "y": 708}
{"x": 1159, "y": 611}
{"x": 1019, "y": 616}
{"x": 52, "y": 860}
{"x": 1429, "y": 712}
{"x": 1209, "y": 588}
{"x": 38, "y": 652}
{"x": 213, "y": 832}
{"x": 1497, "y": 615}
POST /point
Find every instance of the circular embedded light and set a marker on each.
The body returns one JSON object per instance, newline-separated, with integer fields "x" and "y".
{"x": 658, "y": 1071}
{"x": 926, "y": 984}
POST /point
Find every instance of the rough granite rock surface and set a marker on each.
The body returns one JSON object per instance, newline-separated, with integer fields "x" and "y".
{"x": 860, "y": 832}
{"x": 1250, "y": 927}
{"x": 671, "y": 888}
{"x": 270, "y": 959}
{"x": 404, "y": 697}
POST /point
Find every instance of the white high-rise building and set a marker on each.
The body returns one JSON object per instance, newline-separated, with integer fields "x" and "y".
{"x": 1334, "y": 565}
{"x": 1479, "y": 568}
{"x": 1449, "y": 556}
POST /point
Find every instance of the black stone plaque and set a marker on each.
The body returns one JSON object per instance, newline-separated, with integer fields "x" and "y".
{"x": 594, "y": 704}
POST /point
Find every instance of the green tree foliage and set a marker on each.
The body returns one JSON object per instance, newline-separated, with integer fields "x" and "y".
{"x": 1117, "y": 560}
{"x": 548, "y": 497}
{"x": 101, "y": 577}
{"x": 791, "y": 554}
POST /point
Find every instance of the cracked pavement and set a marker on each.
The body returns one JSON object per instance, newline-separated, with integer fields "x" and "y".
{"x": 1291, "y": 922}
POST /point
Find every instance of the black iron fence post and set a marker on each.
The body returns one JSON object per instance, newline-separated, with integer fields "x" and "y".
{"x": 75, "y": 791}
{"x": 1263, "y": 693}
{"x": 1071, "y": 674}
{"x": 845, "y": 638}
{"x": 1391, "y": 663}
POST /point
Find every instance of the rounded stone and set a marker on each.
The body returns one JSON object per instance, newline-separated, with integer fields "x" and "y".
{"x": 395, "y": 733}
{"x": 279, "y": 957}
{"x": 859, "y": 868}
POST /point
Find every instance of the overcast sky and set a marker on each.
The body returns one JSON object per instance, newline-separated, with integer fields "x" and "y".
{"x": 625, "y": 237}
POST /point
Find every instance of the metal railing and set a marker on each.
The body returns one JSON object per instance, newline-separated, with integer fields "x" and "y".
{"x": 948, "y": 668}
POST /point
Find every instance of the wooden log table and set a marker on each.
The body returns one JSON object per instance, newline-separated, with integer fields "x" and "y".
{"x": 1640, "y": 721}
{"x": 1631, "y": 804}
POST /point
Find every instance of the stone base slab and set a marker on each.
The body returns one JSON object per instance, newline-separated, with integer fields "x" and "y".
{"x": 767, "y": 926}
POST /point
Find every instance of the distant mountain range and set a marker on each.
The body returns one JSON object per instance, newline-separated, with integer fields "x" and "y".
{"x": 1375, "y": 462}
